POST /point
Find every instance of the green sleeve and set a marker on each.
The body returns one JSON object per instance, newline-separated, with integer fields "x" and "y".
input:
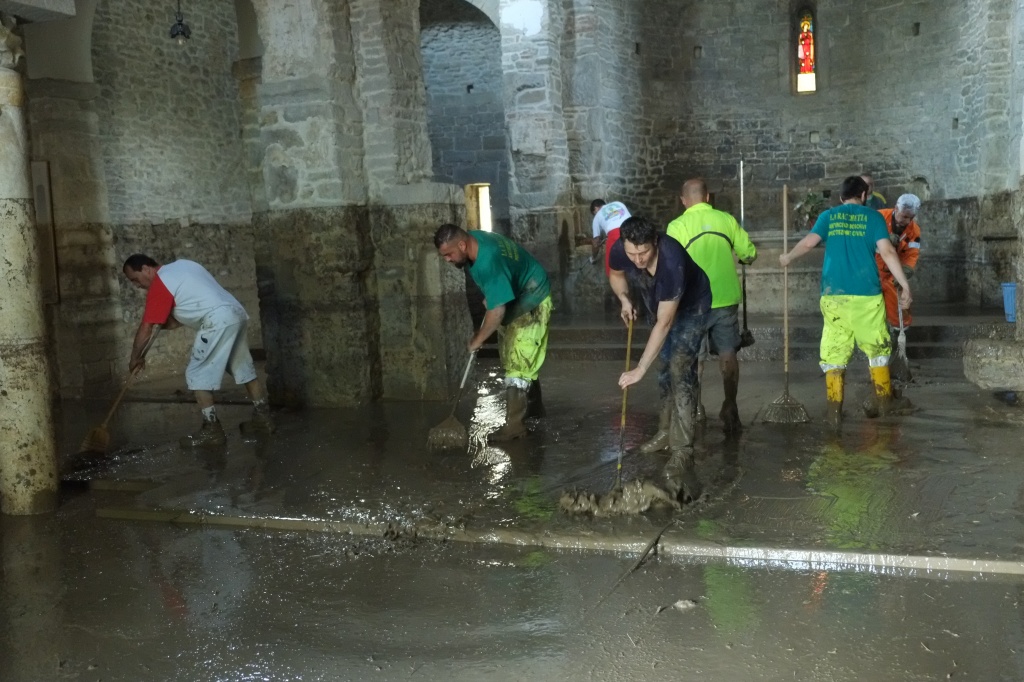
{"x": 742, "y": 245}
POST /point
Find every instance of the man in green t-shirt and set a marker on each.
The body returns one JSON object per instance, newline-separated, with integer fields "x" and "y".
{"x": 711, "y": 237}
{"x": 517, "y": 296}
{"x": 851, "y": 295}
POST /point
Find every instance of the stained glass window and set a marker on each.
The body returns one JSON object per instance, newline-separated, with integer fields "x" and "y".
{"x": 806, "y": 58}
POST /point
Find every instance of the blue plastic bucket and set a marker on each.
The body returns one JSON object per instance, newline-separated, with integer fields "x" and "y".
{"x": 1010, "y": 301}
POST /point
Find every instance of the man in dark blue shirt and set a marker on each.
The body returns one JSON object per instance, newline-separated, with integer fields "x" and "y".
{"x": 677, "y": 295}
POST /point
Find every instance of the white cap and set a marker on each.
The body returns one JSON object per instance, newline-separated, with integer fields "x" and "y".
{"x": 908, "y": 202}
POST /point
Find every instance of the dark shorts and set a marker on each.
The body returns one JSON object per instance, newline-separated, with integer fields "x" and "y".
{"x": 723, "y": 332}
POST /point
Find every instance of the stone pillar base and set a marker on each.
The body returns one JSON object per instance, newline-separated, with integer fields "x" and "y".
{"x": 995, "y": 364}
{"x": 28, "y": 463}
{"x": 314, "y": 272}
{"x": 423, "y": 311}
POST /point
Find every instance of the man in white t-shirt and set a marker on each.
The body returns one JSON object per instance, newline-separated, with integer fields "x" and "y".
{"x": 185, "y": 293}
{"x": 608, "y": 218}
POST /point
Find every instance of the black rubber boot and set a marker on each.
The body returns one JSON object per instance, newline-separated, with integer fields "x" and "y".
{"x": 211, "y": 434}
{"x": 683, "y": 428}
{"x": 515, "y": 400}
{"x": 261, "y": 424}
{"x": 534, "y": 401}
{"x": 679, "y": 477}
{"x": 660, "y": 440}
{"x": 730, "y": 416}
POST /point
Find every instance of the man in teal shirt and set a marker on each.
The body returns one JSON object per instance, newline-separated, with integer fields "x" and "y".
{"x": 711, "y": 237}
{"x": 517, "y": 296}
{"x": 851, "y": 296}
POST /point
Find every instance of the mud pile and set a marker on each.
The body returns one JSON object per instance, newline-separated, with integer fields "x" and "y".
{"x": 634, "y": 497}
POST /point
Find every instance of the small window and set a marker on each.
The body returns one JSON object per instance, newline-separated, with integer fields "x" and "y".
{"x": 806, "y": 53}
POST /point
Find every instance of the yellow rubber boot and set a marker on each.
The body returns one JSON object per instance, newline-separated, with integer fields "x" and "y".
{"x": 834, "y": 380}
{"x": 882, "y": 382}
{"x": 885, "y": 402}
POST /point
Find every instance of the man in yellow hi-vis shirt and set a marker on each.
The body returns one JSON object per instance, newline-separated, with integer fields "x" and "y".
{"x": 711, "y": 237}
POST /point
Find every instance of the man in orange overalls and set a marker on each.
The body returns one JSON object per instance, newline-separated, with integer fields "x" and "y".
{"x": 905, "y": 235}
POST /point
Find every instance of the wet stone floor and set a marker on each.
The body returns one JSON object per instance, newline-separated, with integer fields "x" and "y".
{"x": 90, "y": 599}
{"x": 392, "y": 562}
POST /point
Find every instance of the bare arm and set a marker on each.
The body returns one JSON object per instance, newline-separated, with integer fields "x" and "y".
{"x": 666, "y": 315}
{"x": 595, "y": 248}
{"x": 802, "y": 247}
{"x": 142, "y": 336}
{"x": 492, "y": 320}
{"x": 892, "y": 261}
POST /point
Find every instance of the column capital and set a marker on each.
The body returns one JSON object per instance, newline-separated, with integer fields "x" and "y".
{"x": 11, "y": 50}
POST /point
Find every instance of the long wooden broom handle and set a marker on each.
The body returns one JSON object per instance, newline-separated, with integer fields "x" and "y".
{"x": 629, "y": 349}
{"x": 131, "y": 377}
{"x": 622, "y": 420}
{"x": 785, "y": 282}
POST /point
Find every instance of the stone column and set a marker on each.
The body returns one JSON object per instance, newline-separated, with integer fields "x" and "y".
{"x": 28, "y": 464}
{"x": 540, "y": 188}
{"x": 423, "y": 315}
{"x": 389, "y": 67}
{"x": 314, "y": 263}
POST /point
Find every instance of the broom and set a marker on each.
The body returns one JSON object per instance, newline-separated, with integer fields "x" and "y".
{"x": 98, "y": 440}
{"x": 785, "y": 409}
{"x": 451, "y": 433}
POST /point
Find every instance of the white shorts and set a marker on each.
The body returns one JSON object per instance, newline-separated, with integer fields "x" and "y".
{"x": 220, "y": 346}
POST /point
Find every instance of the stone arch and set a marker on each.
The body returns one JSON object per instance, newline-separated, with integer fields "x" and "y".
{"x": 249, "y": 43}
{"x": 489, "y": 8}
{"x": 461, "y": 49}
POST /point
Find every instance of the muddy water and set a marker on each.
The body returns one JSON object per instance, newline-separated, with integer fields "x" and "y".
{"x": 944, "y": 480}
{"x": 90, "y": 600}
{"x": 93, "y": 599}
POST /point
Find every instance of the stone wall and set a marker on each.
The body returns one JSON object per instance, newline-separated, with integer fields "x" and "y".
{"x": 718, "y": 84}
{"x": 389, "y": 78}
{"x": 84, "y": 318}
{"x": 717, "y": 87}
{"x": 317, "y": 290}
{"x": 148, "y": 159}
{"x": 169, "y": 124}
{"x": 465, "y": 104}
{"x": 602, "y": 58}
